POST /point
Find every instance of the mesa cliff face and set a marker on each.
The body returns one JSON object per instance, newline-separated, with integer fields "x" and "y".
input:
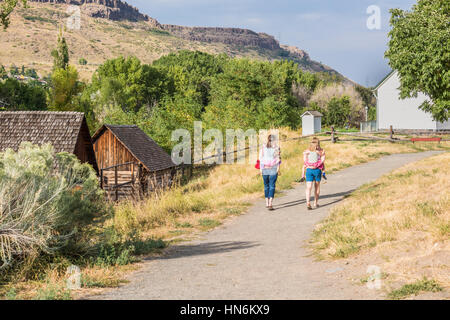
{"x": 108, "y": 9}
{"x": 233, "y": 36}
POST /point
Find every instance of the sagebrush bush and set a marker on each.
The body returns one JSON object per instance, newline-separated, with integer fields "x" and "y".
{"x": 47, "y": 203}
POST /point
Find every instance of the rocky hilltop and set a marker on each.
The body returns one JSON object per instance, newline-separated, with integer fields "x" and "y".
{"x": 108, "y": 9}
{"x": 233, "y": 36}
{"x": 145, "y": 36}
{"x": 117, "y": 10}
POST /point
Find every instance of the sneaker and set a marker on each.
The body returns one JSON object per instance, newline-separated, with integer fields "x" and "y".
{"x": 302, "y": 180}
{"x": 324, "y": 176}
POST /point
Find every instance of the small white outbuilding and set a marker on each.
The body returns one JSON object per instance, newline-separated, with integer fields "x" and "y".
{"x": 311, "y": 123}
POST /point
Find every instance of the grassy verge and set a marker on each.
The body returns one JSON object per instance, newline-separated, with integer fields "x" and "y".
{"x": 402, "y": 218}
{"x": 211, "y": 197}
{"x": 415, "y": 288}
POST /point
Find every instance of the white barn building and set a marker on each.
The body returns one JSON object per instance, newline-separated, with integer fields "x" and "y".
{"x": 311, "y": 123}
{"x": 402, "y": 113}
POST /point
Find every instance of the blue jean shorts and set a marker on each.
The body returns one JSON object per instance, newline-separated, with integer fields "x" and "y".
{"x": 313, "y": 175}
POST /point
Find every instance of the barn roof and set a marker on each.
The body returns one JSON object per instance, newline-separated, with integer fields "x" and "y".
{"x": 61, "y": 129}
{"x": 141, "y": 146}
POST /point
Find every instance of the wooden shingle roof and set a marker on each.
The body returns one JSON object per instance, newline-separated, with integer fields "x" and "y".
{"x": 141, "y": 146}
{"x": 61, "y": 129}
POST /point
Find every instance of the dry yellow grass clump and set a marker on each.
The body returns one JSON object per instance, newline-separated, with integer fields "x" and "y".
{"x": 403, "y": 217}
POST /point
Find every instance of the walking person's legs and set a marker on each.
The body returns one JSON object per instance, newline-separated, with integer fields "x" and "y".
{"x": 316, "y": 193}
{"x": 266, "y": 179}
{"x": 272, "y": 187}
{"x": 313, "y": 177}
{"x": 308, "y": 193}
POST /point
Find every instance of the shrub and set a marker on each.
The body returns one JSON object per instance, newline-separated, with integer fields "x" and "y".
{"x": 82, "y": 62}
{"x": 339, "y": 112}
{"x": 325, "y": 97}
{"x": 53, "y": 292}
{"x": 47, "y": 203}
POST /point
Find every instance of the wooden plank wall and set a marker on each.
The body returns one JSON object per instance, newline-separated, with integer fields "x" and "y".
{"x": 111, "y": 152}
{"x": 84, "y": 149}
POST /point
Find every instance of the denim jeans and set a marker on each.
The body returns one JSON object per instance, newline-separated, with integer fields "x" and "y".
{"x": 269, "y": 185}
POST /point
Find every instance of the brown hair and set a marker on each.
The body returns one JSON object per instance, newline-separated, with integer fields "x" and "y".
{"x": 270, "y": 140}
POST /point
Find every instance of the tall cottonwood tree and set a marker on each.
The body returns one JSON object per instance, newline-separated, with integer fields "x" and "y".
{"x": 61, "y": 54}
{"x": 6, "y": 8}
{"x": 419, "y": 49}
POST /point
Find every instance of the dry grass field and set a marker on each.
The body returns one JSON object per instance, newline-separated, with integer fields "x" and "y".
{"x": 402, "y": 218}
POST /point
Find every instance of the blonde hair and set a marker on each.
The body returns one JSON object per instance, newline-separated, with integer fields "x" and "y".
{"x": 316, "y": 140}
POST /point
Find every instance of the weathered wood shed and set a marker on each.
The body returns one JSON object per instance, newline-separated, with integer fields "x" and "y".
{"x": 66, "y": 131}
{"x": 127, "y": 157}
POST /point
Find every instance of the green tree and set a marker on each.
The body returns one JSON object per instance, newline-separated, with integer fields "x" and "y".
{"x": 65, "y": 89}
{"x": 6, "y": 8}
{"x": 192, "y": 70}
{"x": 254, "y": 93}
{"x": 17, "y": 95}
{"x": 128, "y": 84}
{"x": 419, "y": 49}
{"x": 338, "y": 112}
{"x": 369, "y": 101}
{"x": 178, "y": 112}
{"x": 61, "y": 54}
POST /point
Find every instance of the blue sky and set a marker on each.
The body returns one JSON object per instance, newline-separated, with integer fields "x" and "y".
{"x": 333, "y": 32}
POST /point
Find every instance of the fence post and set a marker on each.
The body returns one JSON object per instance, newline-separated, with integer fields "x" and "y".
{"x": 116, "y": 181}
{"x": 391, "y": 133}
{"x": 333, "y": 140}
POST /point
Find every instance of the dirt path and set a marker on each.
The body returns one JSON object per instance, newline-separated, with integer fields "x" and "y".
{"x": 262, "y": 254}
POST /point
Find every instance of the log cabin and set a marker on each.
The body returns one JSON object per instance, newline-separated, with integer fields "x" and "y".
{"x": 130, "y": 161}
{"x": 65, "y": 131}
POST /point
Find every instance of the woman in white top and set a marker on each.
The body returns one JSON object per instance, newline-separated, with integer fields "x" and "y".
{"x": 270, "y": 161}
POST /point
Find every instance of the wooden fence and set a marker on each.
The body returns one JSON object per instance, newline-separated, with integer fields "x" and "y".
{"x": 118, "y": 183}
{"x": 334, "y": 137}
